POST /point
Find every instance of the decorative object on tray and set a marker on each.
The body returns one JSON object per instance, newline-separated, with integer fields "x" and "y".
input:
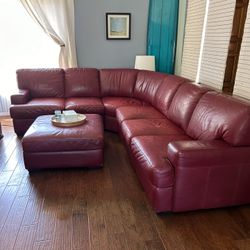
{"x": 68, "y": 118}
{"x": 118, "y": 26}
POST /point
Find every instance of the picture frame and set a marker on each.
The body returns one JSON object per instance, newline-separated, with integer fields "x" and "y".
{"x": 118, "y": 26}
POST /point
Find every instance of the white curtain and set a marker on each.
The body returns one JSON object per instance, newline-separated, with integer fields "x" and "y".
{"x": 56, "y": 18}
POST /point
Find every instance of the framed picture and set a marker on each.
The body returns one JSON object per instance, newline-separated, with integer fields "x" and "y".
{"x": 118, "y": 26}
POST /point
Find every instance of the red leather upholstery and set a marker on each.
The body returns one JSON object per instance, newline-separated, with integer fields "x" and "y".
{"x": 22, "y": 125}
{"x": 67, "y": 159}
{"x": 132, "y": 128}
{"x": 184, "y": 103}
{"x": 166, "y": 92}
{"x": 112, "y": 103}
{"x": 22, "y": 97}
{"x": 147, "y": 85}
{"x": 82, "y": 82}
{"x": 221, "y": 117}
{"x": 81, "y": 145}
{"x": 140, "y": 112}
{"x": 43, "y": 136}
{"x": 158, "y": 169}
{"x": 209, "y": 174}
{"x": 159, "y": 198}
{"x": 118, "y": 82}
{"x": 36, "y": 107}
{"x": 42, "y": 82}
{"x": 86, "y": 105}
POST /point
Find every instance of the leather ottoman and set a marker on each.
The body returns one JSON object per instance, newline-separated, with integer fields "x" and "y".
{"x": 48, "y": 146}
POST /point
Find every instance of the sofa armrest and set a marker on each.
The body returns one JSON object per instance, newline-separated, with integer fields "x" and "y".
{"x": 21, "y": 97}
{"x": 206, "y": 153}
{"x": 209, "y": 174}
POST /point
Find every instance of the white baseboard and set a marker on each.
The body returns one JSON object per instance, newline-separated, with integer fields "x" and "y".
{"x": 4, "y": 114}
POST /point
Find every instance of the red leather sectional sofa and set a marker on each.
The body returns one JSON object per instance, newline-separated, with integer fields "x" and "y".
{"x": 189, "y": 145}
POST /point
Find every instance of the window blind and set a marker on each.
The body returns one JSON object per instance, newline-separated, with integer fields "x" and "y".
{"x": 217, "y": 36}
{"x": 242, "y": 81}
{"x": 192, "y": 39}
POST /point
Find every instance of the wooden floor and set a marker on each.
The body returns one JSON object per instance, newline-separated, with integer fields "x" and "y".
{"x": 101, "y": 209}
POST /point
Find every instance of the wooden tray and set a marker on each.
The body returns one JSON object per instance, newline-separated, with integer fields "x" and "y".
{"x": 66, "y": 122}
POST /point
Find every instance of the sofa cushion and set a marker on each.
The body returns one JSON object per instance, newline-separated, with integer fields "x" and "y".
{"x": 184, "y": 102}
{"x": 147, "y": 84}
{"x": 112, "y": 103}
{"x": 137, "y": 112}
{"x": 166, "y": 92}
{"x": 41, "y": 82}
{"x": 133, "y": 128}
{"x": 150, "y": 156}
{"x": 85, "y": 105}
{"x": 217, "y": 116}
{"x": 82, "y": 82}
{"x": 118, "y": 82}
{"x": 36, "y": 107}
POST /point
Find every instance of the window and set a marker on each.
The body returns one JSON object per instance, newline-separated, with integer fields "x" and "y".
{"x": 23, "y": 45}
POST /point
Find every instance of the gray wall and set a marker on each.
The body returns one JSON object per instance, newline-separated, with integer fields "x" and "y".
{"x": 93, "y": 50}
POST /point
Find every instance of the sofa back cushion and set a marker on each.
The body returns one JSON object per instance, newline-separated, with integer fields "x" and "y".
{"x": 118, "y": 82}
{"x": 82, "y": 82}
{"x": 42, "y": 82}
{"x": 184, "y": 103}
{"x": 166, "y": 92}
{"x": 147, "y": 84}
{"x": 217, "y": 116}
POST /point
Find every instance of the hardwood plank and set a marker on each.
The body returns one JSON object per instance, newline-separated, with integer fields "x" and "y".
{"x": 43, "y": 245}
{"x": 112, "y": 216}
{"x": 47, "y": 219}
{"x": 176, "y": 231}
{"x": 98, "y": 235}
{"x": 6, "y": 201}
{"x": 154, "y": 244}
{"x": 26, "y": 187}
{"x": 16, "y": 178}
{"x": 144, "y": 223}
{"x": 63, "y": 227}
{"x": 63, "y": 223}
{"x": 14, "y": 158}
{"x": 242, "y": 244}
{"x": 1, "y": 190}
{"x": 98, "y": 231}
{"x": 25, "y": 238}
{"x": 7, "y": 152}
{"x": 4, "y": 178}
{"x": 118, "y": 242}
{"x": 210, "y": 230}
{"x": 80, "y": 220}
{"x": 241, "y": 216}
{"x": 8, "y": 137}
{"x": 32, "y": 212}
{"x": 128, "y": 217}
{"x": 12, "y": 224}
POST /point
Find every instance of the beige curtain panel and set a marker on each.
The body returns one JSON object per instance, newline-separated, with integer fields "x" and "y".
{"x": 56, "y": 18}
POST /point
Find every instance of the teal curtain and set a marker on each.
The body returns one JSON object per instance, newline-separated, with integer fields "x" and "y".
{"x": 162, "y": 33}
